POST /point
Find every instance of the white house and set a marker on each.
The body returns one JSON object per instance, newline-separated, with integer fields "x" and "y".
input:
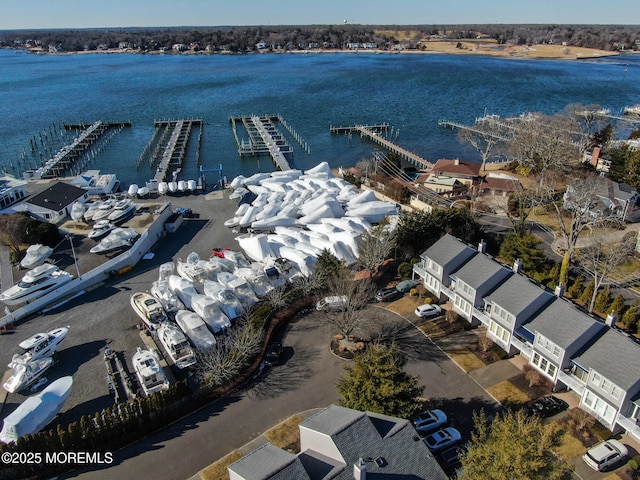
{"x": 54, "y": 203}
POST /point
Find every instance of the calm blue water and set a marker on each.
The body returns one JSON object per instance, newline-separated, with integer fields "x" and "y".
{"x": 312, "y": 92}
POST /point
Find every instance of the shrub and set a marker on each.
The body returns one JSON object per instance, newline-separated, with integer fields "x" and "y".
{"x": 451, "y": 316}
{"x": 617, "y": 306}
{"x": 533, "y": 377}
{"x": 603, "y": 300}
{"x": 404, "y": 270}
{"x": 485, "y": 342}
{"x": 576, "y": 287}
{"x": 587, "y": 293}
{"x": 428, "y": 301}
{"x": 633, "y": 464}
{"x": 413, "y": 292}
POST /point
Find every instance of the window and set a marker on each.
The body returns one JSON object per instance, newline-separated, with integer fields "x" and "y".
{"x": 615, "y": 392}
{"x": 499, "y": 332}
{"x": 596, "y": 379}
{"x": 547, "y": 367}
{"x": 463, "y": 305}
{"x": 599, "y": 407}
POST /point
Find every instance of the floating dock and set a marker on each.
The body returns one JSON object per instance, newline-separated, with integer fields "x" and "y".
{"x": 372, "y": 133}
{"x": 168, "y": 147}
{"x": 264, "y": 138}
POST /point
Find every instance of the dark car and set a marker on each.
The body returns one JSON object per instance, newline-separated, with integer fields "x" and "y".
{"x": 273, "y": 354}
{"x": 184, "y": 212}
{"x": 547, "y": 406}
{"x": 388, "y": 295}
{"x": 450, "y": 459}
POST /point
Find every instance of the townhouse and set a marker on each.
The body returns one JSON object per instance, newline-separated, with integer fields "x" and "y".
{"x": 571, "y": 348}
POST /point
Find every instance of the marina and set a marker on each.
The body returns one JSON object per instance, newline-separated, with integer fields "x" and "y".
{"x": 264, "y": 138}
{"x": 170, "y": 144}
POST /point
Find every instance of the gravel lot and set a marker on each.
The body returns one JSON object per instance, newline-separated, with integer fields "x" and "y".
{"x": 103, "y": 316}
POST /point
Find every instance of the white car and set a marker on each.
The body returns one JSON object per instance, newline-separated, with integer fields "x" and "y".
{"x": 604, "y": 455}
{"x": 429, "y": 420}
{"x": 428, "y": 310}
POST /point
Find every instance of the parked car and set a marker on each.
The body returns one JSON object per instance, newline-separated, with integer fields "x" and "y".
{"x": 388, "y": 295}
{"x": 184, "y": 212}
{"x": 406, "y": 285}
{"x": 272, "y": 358}
{"x": 443, "y": 438}
{"x": 605, "y": 455}
{"x": 547, "y": 406}
{"x": 429, "y": 420}
{"x": 333, "y": 304}
{"x": 428, "y": 310}
{"x": 449, "y": 459}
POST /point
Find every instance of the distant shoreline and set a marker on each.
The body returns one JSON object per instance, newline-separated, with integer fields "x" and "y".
{"x": 537, "y": 52}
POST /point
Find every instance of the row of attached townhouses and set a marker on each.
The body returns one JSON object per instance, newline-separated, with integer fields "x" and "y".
{"x": 566, "y": 345}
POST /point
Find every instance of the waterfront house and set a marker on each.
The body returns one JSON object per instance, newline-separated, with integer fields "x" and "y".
{"x": 611, "y": 199}
{"x": 498, "y": 184}
{"x": 509, "y": 306}
{"x": 344, "y": 444}
{"x": 468, "y": 173}
{"x": 476, "y": 279}
{"x": 12, "y": 190}
{"x": 443, "y": 184}
{"x": 439, "y": 261}
{"x": 54, "y": 203}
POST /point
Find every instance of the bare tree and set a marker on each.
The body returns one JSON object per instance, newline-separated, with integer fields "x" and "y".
{"x": 358, "y": 294}
{"x": 277, "y": 297}
{"x": 601, "y": 258}
{"x": 375, "y": 247}
{"x": 226, "y": 359}
{"x": 541, "y": 143}
{"x": 487, "y": 135}
{"x": 11, "y": 231}
{"x": 588, "y": 120}
{"x": 578, "y": 210}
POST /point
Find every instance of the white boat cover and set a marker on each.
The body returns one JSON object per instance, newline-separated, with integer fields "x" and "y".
{"x": 237, "y": 182}
{"x": 183, "y": 288}
{"x": 211, "y": 313}
{"x": 36, "y": 255}
{"x": 36, "y": 412}
{"x": 77, "y": 211}
{"x": 196, "y": 329}
{"x": 364, "y": 197}
{"x": 256, "y": 247}
{"x": 322, "y": 167}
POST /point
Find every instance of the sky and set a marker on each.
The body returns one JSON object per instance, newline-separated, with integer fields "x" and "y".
{"x": 157, "y": 13}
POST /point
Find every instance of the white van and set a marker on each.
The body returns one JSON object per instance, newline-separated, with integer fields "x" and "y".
{"x": 333, "y": 304}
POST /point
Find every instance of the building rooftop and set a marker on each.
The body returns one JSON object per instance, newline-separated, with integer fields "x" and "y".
{"x": 447, "y": 249}
{"x": 270, "y": 462}
{"x": 57, "y": 196}
{"x": 613, "y": 355}
{"x": 517, "y": 293}
{"x": 481, "y": 268}
{"x": 457, "y": 167}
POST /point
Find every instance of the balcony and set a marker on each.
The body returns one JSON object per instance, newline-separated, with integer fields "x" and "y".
{"x": 483, "y": 317}
{"x": 420, "y": 271}
{"x": 526, "y": 350}
{"x": 571, "y": 381}
{"x": 629, "y": 424}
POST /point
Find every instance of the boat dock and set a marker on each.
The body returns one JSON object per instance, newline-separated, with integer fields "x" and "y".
{"x": 488, "y": 133}
{"x": 167, "y": 148}
{"x": 68, "y": 155}
{"x": 372, "y": 133}
{"x": 264, "y": 138}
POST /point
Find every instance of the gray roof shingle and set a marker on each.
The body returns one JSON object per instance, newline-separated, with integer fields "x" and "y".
{"x": 477, "y": 271}
{"x": 270, "y": 462}
{"x": 447, "y": 249}
{"x": 562, "y": 323}
{"x": 517, "y": 293}
{"x": 57, "y": 196}
{"x": 615, "y": 356}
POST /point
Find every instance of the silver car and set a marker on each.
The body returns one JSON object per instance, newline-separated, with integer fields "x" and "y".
{"x": 604, "y": 455}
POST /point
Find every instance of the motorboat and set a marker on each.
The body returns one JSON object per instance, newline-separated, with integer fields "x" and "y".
{"x": 143, "y": 192}
{"x": 36, "y": 412}
{"x": 239, "y": 286}
{"x": 163, "y": 188}
{"x": 132, "y": 191}
{"x": 100, "y": 229}
{"x": 210, "y": 311}
{"x": 91, "y": 209}
{"x": 122, "y": 211}
{"x": 192, "y": 185}
{"x": 257, "y": 280}
{"x": 118, "y": 239}
{"x": 39, "y": 346}
{"x": 77, "y": 211}
{"x": 196, "y": 329}
{"x": 26, "y": 373}
{"x": 173, "y": 187}
{"x": 169, "y": 300}
{"x": 104, "y": 209}
{"x": 151, "y": 186}
{"x": 176, "y": 345}
{"x": 36, "y": 255}
{"x": 35, "y": 283}
{"x": 182, "y": 186}
{"x": 229, "y": 303}
{"x": 191, "y": 268}
{"x": 149, "y": 372}
{"x": 183, "y": 288}
{"x": 149, "y": 309}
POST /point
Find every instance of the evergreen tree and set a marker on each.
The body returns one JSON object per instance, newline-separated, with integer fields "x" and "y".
{"x": 327, "y": 266}
{"x": 587, "y": 293}
{"x": 378, "y": 383}
{"x": 577, "y": 287}
{"x": 631, "y": 316}
{"x": 603, "y": 300}
{"x": 512, "y": 447}
{"x": 525, "y": 248}
{"x": 617, "y": 306}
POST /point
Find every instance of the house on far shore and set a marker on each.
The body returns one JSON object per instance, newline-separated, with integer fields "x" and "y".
{"x": 54, "y": 203}
{"x": 344, "y": 444}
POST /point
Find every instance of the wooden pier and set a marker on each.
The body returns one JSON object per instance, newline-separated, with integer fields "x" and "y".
{"x": 170, "y": 140}
{"x": 372, "y": 133}
{"x": 453, "y": 125}
{"x": 264, "y": 138}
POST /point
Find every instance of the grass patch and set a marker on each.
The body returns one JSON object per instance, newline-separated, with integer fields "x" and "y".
{"x": 467, "y": 360}
{"x": 569, "y": 447}
{"x": 218, "y": 470}
{"x": 508, "y": 394}
{"x": 286, "y": 435}
{"x": 404, "y": 306}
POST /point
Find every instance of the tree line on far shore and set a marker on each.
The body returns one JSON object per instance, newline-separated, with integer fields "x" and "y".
{"x": 241, "y": 39}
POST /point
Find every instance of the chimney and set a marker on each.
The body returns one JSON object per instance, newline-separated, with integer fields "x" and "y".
{"x": 482, "y": 246}
{"x": 517, "y": 266}
{"x": 611, "y": 320}
{"x": 456, "y": 161}
{"x": 559, "y": 290}
{"x": 360, "y": 470}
